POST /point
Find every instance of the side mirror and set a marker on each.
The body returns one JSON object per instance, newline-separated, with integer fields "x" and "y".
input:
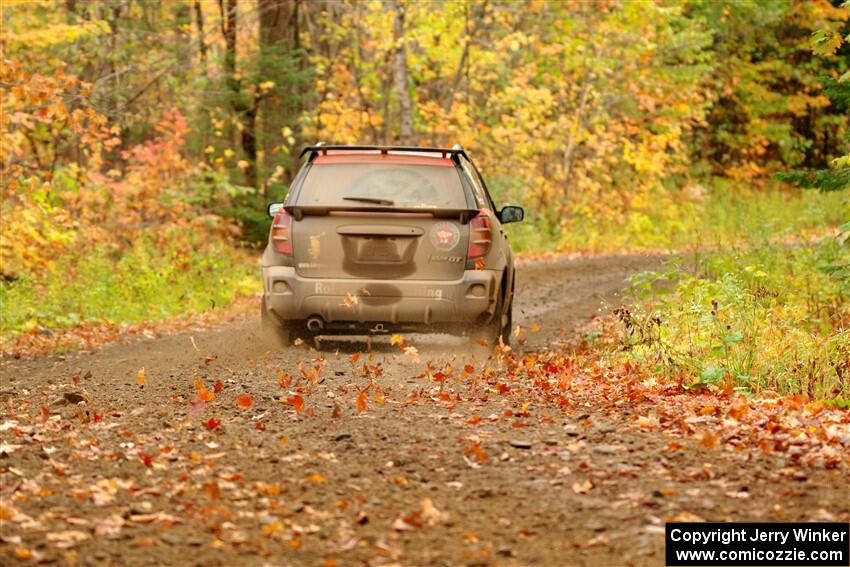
{"x": 511, "y": 214}
{"x": 274, "y": 208}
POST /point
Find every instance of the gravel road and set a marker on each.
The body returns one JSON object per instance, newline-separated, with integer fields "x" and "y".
{"x": 153, "y": 480}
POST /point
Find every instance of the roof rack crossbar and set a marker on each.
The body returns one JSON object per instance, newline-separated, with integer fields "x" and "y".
{"x": 314, "y": 150}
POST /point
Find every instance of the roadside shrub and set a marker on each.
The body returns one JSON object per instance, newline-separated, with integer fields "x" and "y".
{"x": 721, "y": 214}
{"x": 146, "y": 242}
{"x": 149, "y": 281}
{"x": 770, "y": 318}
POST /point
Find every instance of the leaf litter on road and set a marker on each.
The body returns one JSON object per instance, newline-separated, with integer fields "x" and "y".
{"x": 541, "y": 419}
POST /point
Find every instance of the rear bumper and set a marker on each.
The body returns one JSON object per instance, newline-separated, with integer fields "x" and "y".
{"x": 469, "y": 299}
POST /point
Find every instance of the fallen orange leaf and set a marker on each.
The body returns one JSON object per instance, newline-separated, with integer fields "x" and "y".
{"x": 709, "y": 440}
{"x": 297, "y": 402}
{"x": 245, "y": 401}
{"x": 213, "y": 490}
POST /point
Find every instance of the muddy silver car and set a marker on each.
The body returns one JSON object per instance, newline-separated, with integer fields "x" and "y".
{"x": 388, "y": 239}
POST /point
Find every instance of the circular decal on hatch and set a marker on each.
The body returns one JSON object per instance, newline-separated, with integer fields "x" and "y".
{"x": 444, "y": 236}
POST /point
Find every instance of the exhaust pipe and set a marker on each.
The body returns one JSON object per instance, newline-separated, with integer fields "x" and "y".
{"x": 314, "y": 324}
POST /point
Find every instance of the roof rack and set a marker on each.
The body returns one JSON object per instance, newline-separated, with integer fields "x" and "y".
{"x": 323, "y": 148}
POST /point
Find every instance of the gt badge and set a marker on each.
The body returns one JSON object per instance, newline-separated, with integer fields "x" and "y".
{"x": 444, "y": 236}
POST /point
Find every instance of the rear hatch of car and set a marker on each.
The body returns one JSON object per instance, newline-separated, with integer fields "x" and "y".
{"x": 380, "y": 216}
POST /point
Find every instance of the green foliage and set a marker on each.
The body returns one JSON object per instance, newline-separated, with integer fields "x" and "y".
{"x": 724, "y": 214}
{"x": 618, "y": 126}
{"x": 828, "y": 42}
{"x": 825, "y": 180}
{"x": 149, "y": 282}
{"x": 773, "y": 318}
{"x": 767, "y": 111}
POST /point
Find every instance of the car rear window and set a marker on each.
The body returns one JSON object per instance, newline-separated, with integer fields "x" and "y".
{"x": 390, "y": 184}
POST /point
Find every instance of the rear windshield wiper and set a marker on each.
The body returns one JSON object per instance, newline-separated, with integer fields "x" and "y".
{"x": 373, "y": 200}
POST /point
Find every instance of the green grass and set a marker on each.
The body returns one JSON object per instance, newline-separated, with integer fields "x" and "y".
{"x": 726, "y": 215}
{"x": 769, "y": 317}
{"x": 178, "y": 274}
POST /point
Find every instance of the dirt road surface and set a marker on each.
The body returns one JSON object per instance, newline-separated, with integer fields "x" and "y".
{"x": 351, "y": 479}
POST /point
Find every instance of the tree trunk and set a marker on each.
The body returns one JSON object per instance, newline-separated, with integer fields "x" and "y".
{"x": 228, "y": 30}
{"x": 463, "y": 66}
{"x": 246, "y": 111}
{"x": 202, "y": 44}
{"x": 279, "y": 33}
{"x": 405, "y": 103}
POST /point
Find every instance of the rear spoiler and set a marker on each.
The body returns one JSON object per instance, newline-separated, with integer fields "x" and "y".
{"x": 300, "y": 211}
{"x": 322, "y": 148}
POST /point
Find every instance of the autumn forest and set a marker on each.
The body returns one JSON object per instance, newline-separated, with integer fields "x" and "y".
{"x": 683, "y": 279}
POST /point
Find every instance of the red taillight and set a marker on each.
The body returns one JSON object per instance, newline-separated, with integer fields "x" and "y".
{"x": 480, "y": 236}
{"x": 282, "y": 233}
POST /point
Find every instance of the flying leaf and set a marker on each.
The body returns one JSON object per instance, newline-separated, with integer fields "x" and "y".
{"x": 476, "y": 451}
{"x": 283, "y": 380}
{"x": 297, "y": 402}
{"x": 361, "y": 401}
{"x": 396, "y": 340}
{"x": 349, "y": 300}
{"x": 412, "y": 353}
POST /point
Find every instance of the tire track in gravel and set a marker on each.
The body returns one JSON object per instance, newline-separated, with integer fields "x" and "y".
{"x": 306, "y": 488}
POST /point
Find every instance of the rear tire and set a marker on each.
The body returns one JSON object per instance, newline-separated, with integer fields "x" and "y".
{"x": 500, "y": 326}
{"x": 277, "y": 334}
